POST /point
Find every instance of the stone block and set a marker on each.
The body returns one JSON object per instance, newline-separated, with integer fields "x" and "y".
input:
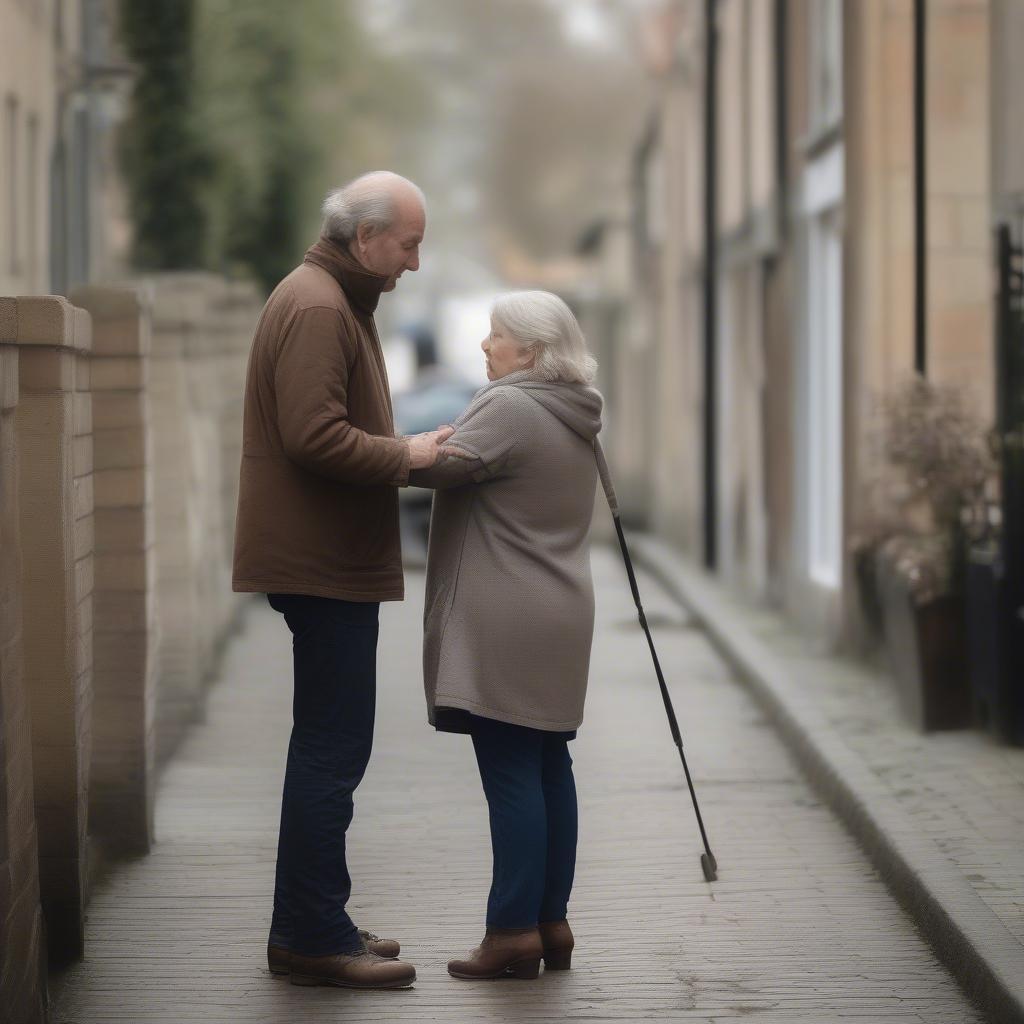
{"x": 85, "y": 535}
{"x": 83, "y": 413}
{"x": 120, "y": 316}
{"x": 126, "y": 611}
{"x": 118, "y": 374}
{"x": 8, "y": 377}
{"x": 123, "y": 337}
{"x": 8, "y": 320}
{"x": 83, "y": 374}
{"x": 84, "y": 495}
{"x": 123, "y": 651}
{"x": 123, "y": 660}
{"x": 84, "y": 571}
{"x": 125, "y": 571}
{"x": 85, "y": 611}
{"x": 121, "y": 448}
{"x": 123, "y": 529}
{"x": 47, "y": 368}
{"x": 119, "y": 410}
{"x": 82, "y": 455}
{"x": 117, "y": 488}
{"x": 51, "y": 320}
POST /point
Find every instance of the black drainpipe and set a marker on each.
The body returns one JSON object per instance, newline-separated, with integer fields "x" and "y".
{"x": 710, "y": 291}
{"x": 920, "y": 195}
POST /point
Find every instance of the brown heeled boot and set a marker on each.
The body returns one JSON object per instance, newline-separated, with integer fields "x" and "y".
{"x": 556, "y": 937}
{"x": 504, "y": 953}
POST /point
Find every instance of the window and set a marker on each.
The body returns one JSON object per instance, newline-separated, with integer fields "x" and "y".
{"x": 11, "y": 177}
{"x": 32, "y": 191}
{"x": 824, "y": 399}
{"x": 826, "y": 64}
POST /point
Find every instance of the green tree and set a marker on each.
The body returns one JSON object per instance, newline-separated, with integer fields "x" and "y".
{"x": 286, "y": 97}
{"x": 165, "y": 160}
{"x": 244, "y": 113}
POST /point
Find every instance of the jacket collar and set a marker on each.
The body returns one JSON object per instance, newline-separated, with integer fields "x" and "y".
{"x": 362, "y": 287}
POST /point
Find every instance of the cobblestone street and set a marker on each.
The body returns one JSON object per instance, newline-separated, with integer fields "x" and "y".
{"x": 799, "y": 928}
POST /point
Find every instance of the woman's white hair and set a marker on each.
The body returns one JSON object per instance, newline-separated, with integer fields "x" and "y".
{"x": 542, "y": 322}
{"x": 368, "y": 199}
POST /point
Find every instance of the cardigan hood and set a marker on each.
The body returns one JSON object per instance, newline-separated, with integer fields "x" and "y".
{"x": 578, "y": 406}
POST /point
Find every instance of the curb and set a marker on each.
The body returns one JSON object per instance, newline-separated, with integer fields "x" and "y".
{"x": 965, "y": 934}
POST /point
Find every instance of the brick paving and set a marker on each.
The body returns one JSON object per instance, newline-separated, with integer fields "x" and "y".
{"x": 799, "y": 928}
{"x": 942, "y": 815}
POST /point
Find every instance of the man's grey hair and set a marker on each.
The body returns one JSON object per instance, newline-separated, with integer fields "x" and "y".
{"x": 542, "y": 322}
{"x": 368, "y": 199}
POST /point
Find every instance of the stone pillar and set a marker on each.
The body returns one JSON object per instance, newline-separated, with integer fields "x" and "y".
{"x": 243, "y": 306}
{"x": 177, "y": 316}
{"x": 54, "y": 441}
{"x": 125, "y": 630}
{"x": 22, "y": 953}
{"x": 204, "y": 353}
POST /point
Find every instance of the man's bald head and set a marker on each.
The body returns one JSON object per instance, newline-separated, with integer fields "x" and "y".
{"x": 379, "y": 218}
{"x": 371, "y": 199}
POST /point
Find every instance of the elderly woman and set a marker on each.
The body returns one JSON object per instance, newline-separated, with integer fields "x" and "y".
{"x": 510, "y": 614}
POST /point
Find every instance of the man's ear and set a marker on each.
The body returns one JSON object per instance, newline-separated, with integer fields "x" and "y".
{"x": 364, "y": 232}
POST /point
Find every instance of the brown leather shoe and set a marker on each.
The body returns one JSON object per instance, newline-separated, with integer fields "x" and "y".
{"x": 558, "y": 944}
{"x": 504, "y": 953}
{"x": 387, "y": 948}
{"x": 279, "y": 958}
{"x": 355, "y": 970}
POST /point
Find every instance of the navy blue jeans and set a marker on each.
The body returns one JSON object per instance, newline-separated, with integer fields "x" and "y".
{"x": 334, "y": 648}
{"x": 531, "y": 800}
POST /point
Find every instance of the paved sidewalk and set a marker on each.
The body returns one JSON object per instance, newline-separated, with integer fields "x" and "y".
{"x": 798, "y": 929}
{"x": 942, "y": 815}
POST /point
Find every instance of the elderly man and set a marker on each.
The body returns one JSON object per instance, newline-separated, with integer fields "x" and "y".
{"x": 317, "y": 532}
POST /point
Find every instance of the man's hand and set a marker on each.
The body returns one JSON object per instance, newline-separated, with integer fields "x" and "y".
{"x": 424, "y": 448}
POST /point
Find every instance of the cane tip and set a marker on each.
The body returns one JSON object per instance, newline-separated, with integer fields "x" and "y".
{"x": 710, "y": 867}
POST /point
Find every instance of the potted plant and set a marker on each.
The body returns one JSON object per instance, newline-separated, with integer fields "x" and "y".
{"x": 933, "y": 468}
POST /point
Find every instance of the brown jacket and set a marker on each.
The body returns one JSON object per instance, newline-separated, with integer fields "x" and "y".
{"x": 317, "y": 503}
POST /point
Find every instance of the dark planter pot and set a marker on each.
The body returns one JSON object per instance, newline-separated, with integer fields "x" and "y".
{"x": 997, "y": 688}
{"x": 865, "y": 566}
{"x": 927, "y": 652}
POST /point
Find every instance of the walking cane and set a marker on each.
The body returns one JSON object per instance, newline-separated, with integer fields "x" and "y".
{"x": 707, "y": 859}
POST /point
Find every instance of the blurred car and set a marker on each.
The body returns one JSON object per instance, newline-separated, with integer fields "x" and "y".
{"x": 438, "y": 397}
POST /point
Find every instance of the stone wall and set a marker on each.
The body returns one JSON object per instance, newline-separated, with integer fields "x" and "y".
{"x": 120, "y": 439}
{"x": 125, "y": 620}
{"x": 202, "y": 329}
{"x": 22, "y": 952}
{"x": 55, "y": 462}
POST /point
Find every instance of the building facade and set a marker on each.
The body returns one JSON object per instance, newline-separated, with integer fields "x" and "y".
{"x": 61, "y": 90}
{"x": 814, "y": 202}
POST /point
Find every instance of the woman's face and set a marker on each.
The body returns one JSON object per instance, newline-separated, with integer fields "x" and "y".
{"x": 504, "y": 353}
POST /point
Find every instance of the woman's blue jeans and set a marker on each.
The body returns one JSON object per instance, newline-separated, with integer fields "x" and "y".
{"x": 334, "y": 648}
{"x": 531, "y": 799}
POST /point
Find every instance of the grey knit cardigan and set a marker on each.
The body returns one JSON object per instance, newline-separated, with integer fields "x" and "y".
{"x": 509, "y": 614}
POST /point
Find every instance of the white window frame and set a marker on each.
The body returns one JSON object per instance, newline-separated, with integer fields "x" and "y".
{"x": 33, "y": 178}
{"x": 825, "y": 64}
{"x": 12, "y": 176}
{"x": 823, "y": 378}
